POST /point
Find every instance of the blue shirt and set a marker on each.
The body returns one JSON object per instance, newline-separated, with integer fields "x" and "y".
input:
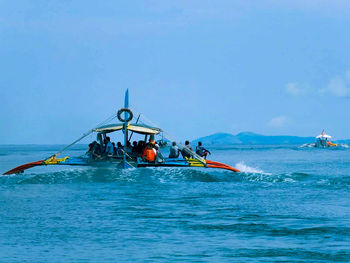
{"x": 109, "y": 148}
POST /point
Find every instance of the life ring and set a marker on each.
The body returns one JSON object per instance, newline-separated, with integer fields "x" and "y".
{"x": 125, "y": 110}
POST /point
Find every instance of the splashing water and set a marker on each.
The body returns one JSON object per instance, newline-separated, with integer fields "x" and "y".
{"x": 247, "y": 169}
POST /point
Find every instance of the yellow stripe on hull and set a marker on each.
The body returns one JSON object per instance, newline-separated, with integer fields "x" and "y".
{"x": 54, "y": 160}
{"x": 195, "y": 162}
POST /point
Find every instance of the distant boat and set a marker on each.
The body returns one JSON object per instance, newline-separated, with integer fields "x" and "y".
{"x": 124, "y": 158}
{"x": 323, "y": 141}
{"x": 163, "y": 142}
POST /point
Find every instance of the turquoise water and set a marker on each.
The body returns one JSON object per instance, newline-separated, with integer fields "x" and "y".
{"x": 288, "y": 205}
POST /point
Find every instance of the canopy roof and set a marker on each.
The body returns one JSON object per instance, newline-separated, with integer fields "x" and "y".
{"x": 137, "y": 128}
{"x": 323, "y": 136}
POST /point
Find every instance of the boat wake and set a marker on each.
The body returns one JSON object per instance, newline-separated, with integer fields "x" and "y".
{"x": 247, "y": 169}
{"x": 171, "y": 175}
{"x": 146, "y": 176}
{"x": 312, "y": 145}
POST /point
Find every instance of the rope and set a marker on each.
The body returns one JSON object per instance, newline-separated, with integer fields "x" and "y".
{"x": 84, "y": 135}
{"x": 138, "y": 118}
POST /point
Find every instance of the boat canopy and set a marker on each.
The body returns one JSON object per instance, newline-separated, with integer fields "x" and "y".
{"x": 137, "y": 128}
{"x": 323, "y": 136}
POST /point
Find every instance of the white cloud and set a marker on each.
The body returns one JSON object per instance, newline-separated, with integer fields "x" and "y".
{"x": 294, "y": 89}
{"x": 339, "y": 86}
{"x": 279, "y": 121}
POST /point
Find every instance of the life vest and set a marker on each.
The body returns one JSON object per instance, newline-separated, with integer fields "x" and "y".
{"x": 149, "y": 154}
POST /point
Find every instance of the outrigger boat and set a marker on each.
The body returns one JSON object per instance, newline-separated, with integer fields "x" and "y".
{"x": 124, "y": 160}
{"x": 323, "y": 141}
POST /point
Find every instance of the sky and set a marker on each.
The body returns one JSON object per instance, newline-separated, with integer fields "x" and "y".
{"x": 192, "y": 67}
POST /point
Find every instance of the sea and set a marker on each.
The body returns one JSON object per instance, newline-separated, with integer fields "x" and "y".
{"x": 288, "y": 204}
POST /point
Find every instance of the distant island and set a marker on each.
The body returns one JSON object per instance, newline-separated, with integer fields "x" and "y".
{"x": 254, "y": 138}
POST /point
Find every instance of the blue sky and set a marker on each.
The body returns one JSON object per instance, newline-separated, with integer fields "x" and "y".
{"x": 193, "y": 67}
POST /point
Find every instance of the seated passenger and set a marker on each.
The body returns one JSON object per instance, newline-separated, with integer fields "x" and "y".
{"x": 91, "y": 145}
{"x": 119, "y": 150}
{"x": 94, "y": 150}
{"x": 149, "y": 154}
{"x": 187, "y": 150}
{"x": 156, "y": 146}
{"x": 201, "y": 151}
{"x": 109, "y": 146}
{"x": 128, "y": 147}
{"x": 140, "y": 147}
{"x": 114, "y": 149}
{"x": 134, "y": 147}
{"x": 160, "y": 157}
{"x": 174, "y": 151}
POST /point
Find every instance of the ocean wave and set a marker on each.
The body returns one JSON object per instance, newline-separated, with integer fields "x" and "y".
{"x": 338, "y": 182}
{"x": 273, "y": 230}
{"x": 291, "y": 254}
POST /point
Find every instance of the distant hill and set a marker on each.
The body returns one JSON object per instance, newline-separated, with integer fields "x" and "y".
{"x": 252, "y": 138}
{"x": 219, "y": 138}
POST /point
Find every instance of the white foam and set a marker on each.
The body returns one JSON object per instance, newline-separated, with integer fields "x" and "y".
{"x": 247, "y": 169}
{"x": 289, "y": 180}
{"x": 307, "y": 145}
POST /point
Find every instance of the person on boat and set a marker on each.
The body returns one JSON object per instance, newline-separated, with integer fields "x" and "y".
{"x": 128, "y": 147}
{"x": 174, "y": 151}
{"x": 201, "y": 151}
{"x": 104, "y": 145}
{"x": 109, "y": 146}
{"x": 187, "y": 150}
{"x": 91, "y": 146}
{"x": 114, "y": 149}
{"x": 119, "y": 149}
{"x": 155, "y": 145}
{"x": 134, "y": 147}
{"x": 140, "y": 147}
{"x": 94, "y": 150}
{"x": 159, "y": 158}
{"x": 149, "y": 154}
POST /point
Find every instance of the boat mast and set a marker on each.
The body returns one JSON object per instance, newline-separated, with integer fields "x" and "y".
{"x": 124, "y": 163}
